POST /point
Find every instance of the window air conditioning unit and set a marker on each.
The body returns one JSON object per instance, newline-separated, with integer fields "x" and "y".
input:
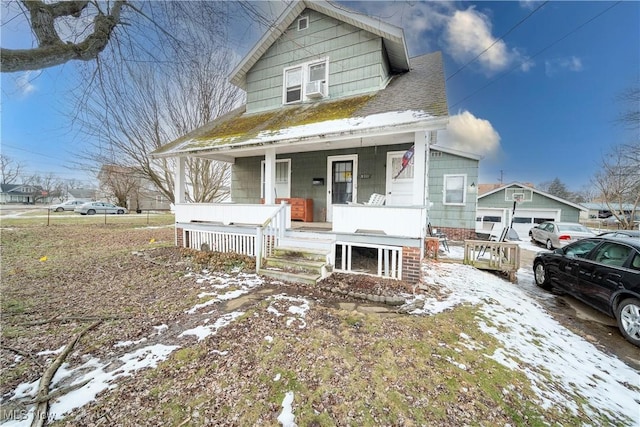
{"x": 316, "y": 89}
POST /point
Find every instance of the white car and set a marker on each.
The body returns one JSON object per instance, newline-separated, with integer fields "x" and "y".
{"x": 558, "y": 234}
{"x": 69, "y": 205}
{"x": 92, "y": 208}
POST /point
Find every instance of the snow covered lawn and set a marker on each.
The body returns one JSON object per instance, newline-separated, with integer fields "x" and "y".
{"x": 246, "y": 351}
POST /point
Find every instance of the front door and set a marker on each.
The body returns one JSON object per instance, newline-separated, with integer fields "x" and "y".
{"x": 399, "y": 180}
{"x": 342, "y": 182}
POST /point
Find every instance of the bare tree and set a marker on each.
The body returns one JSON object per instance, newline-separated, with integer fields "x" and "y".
{"x": 630, "y": 117}
{"x": 138, "y": 107}
{"x": 46, "y": 186}
{"x": 619, "y": 182}
{"x": 9, "y": 170}
{"x": 120, "y": 183}
{"x": 95, "y": 26}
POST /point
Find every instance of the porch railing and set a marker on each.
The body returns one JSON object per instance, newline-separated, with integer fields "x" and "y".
{"x": 220, "y": 241}
{"x": 490, "y": 255}
{"x": 268, "y": 234}
{"x": 405, "y": 221}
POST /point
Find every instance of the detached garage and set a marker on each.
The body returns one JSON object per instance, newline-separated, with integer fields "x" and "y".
{"x": 496, "y": 209}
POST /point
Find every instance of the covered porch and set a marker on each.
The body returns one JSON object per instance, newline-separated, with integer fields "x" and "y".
{"x": 391, "y": 237}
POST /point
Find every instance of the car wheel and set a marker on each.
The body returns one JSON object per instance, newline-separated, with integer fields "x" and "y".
{"x": 59, "y": 209}
{"x": 541, "y": 277}
{"x": 120, "y": 212}
{"x": 91, "y": 212}
{"x": 549, "y": 245}
{"x": 628, "y": 317}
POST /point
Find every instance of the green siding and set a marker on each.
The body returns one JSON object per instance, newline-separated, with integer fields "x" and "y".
{"x": 356, "y": 61}
{"x": 245, "y": 181}
{"x": 245, "y": 176}
{"x": 442, "y": 215}
{"x": 538, "y": 201}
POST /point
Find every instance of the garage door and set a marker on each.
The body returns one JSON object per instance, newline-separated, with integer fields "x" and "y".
{"x": 524, "y": 219}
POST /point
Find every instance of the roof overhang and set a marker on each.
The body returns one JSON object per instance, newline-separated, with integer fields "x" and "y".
{"x": 392, "y": 36}
{"x": 331, "y": 135}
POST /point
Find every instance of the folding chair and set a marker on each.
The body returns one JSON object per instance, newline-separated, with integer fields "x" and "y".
{"x": 442, "y": 238}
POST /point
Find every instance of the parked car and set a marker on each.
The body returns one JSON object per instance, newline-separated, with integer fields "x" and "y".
{"x": 604, "y": 272}
{"x": 621, "y": 233}
{"x": 558, "y": 234}
{"x": 92, "y": 208}
{"x": 69, "y": 205}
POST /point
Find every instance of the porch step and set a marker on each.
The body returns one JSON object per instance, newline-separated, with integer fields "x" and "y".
{"x": 294, "y": 264}
{"x": 309, "y": 279}
{"x": 297, "y": 252}
{"x": 309, "y": 241}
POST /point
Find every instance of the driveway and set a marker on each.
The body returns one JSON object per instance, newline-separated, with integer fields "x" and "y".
{"x": 592, "y": 325}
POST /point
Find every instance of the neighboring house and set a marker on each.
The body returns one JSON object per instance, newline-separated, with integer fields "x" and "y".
{"x": 82, "y": 194}
{"x": 140, "y": 193}
{"x": 532, "y": 206}
{"x": 601, "y": 210}
{"x": 336, "y": 113}
{"x": 23, "y": 193}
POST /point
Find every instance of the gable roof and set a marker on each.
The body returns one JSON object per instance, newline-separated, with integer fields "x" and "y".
{"x": 456, "y": 152}
{"x": 528, "y": 187}
{"x": 415, "y": 100}
{"x": 393, "y": 37}
{"x": 19, "y": 189}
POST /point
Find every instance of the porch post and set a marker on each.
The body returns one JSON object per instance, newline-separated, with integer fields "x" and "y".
{"x": 270, "y": 176}
{"x": 420, "y": 169}
{"x": 179, "y": 181}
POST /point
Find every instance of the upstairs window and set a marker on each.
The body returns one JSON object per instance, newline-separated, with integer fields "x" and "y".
{"x": 293, "y": 85}
{"x": 303, "y": 23}
{"x": 306, "y": 81}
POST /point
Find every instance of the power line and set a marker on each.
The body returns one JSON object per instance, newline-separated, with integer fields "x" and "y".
{"x": 549, "y": 46}
{"x": 498, "y": 39}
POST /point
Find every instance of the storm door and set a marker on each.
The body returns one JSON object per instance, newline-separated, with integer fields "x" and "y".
{"x": 342, "y": 173}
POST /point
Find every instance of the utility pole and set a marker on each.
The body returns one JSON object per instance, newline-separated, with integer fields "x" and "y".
{"x": 501, "y": 179}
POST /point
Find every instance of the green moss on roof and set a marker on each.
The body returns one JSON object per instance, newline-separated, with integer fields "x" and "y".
{"x": 248, "y": 126}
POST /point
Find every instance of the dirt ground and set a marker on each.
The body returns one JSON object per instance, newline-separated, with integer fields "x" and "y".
{"x": 356, "y": 362}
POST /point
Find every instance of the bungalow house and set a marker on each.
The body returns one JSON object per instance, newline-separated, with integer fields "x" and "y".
{"x": 23, "y": 193}
{"x": 524, "y": 207}
{"x": 335, "y": 154}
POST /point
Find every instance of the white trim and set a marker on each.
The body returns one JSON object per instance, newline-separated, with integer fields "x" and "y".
{"x": 262, "y": 169}
{"x": 464, "y": 189}
{"x": 393, "y": 36}
{"x": 302, "y": 19}
{"x": 305, "y": 71}
{"x": 354, "y": 181}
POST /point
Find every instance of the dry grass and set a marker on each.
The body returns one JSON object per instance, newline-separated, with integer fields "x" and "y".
{"x": 345, "y": 367}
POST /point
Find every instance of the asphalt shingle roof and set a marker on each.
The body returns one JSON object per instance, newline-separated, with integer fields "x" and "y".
{"x": 421, "y": 89}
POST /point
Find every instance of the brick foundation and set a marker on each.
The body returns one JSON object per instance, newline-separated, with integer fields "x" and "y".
{"x": 458, "y": 234}
{"x": 411, "y": 268}
{"x": 179, "y": 238}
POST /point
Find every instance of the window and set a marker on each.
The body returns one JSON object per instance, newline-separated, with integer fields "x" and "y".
{"x": 283, "y": 175}
{"x": 305, "y": 81}
{"x": 612, "y": 254}
{"x": 454, "y": 189}
{"x": 303, "y": 23}
{"x": 293, "y": 85}
{"x": 317, "y": 72}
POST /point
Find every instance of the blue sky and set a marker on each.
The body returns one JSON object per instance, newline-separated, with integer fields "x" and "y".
{"x": 539, "y": 104}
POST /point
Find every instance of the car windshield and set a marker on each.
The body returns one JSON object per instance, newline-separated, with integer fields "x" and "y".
{"x": 573, "y": 227}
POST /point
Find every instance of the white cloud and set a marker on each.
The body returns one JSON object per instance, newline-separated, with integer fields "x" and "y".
{"x": 24, "y": 82}
{"x": 556, "y": 65}
{"x": 467, "y": 35}
{"x": 468, "y": 133}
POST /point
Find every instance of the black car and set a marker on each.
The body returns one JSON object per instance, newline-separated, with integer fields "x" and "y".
{"x": 604, "y": 272}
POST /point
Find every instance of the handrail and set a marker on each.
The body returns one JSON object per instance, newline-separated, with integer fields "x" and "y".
{"x": 275, "y": 227}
